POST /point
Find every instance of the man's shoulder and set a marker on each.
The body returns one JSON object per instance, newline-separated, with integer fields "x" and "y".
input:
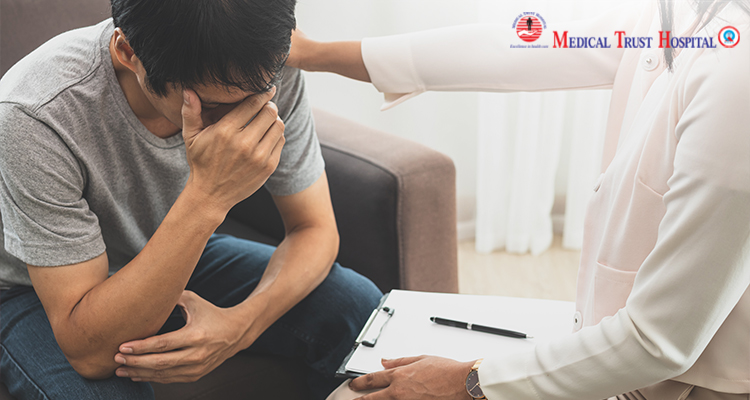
{"x": 56, "y": 65}
{"x": 290, "y": 77}
{"x": 291, "y": 91}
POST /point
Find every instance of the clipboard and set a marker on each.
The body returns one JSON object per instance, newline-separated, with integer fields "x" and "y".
{"x": 400, "y": 327}
{"x": 367, "y": 337}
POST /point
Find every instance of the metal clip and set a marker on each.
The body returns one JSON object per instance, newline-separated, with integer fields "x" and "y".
{"x": 371, "y": 325}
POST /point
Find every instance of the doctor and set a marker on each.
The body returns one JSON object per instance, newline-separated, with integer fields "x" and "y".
{"x": 663, "y": 310}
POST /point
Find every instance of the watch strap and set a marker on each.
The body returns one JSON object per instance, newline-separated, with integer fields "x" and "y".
{"x": 475, "y": 371}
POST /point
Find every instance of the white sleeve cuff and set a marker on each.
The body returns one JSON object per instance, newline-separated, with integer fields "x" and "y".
{"x": 506, "y": 377}
{"x": 391, "y": 67}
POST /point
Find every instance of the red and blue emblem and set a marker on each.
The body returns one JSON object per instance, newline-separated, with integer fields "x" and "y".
{"x": 529, "y": 27}
{"x": 729, "y": 36}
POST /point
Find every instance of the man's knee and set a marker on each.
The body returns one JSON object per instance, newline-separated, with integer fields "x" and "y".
{"x": 226, "y": 249}
{"x": 64, "y": 383}
{"x": 347, "y": 288}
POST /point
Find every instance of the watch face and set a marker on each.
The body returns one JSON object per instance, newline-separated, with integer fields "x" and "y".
{"x": 472, "y": 385}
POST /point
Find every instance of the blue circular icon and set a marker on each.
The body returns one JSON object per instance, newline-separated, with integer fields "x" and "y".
{"x": 729, "y": 36}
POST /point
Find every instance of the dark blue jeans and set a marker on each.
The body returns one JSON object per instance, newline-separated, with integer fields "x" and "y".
{"x": 319, "y": 330}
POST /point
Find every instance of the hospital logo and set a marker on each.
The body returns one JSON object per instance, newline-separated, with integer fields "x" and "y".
{"x": 529, "y": 26}
{"x": 729, "y": 36}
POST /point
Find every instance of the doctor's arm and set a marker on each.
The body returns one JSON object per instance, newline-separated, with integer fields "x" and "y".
{"x": 343, "y": 58}
{"x": 476, "y": 57}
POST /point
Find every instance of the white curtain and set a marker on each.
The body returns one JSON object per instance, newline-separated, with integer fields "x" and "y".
{"x": 520, "y": 142}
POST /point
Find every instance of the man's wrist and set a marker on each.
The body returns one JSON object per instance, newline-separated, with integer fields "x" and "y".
{"x": 247, "y": 316}
{"x": 204, "y": 206}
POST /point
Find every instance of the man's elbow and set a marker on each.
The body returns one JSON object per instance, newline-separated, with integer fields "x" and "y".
{"x": 93, "y": 367}
{"x": 327, "y": 237}
{"x": 335, "y": 241}
{"x": 332, "y": 246}
{"x": 89, "y": 359}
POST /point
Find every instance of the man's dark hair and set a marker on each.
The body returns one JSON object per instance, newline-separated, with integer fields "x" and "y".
{"x": 234, "y": 43}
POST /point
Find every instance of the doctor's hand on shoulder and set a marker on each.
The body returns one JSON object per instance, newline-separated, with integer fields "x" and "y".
{"x": 423, "y": 377}
{"x": 343, "y": 58}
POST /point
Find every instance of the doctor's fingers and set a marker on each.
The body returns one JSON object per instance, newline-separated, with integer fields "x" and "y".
{"x": 375, "y": 380}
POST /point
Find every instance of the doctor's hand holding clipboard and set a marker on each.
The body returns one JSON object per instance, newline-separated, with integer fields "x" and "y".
{"x": 661, "y": 306}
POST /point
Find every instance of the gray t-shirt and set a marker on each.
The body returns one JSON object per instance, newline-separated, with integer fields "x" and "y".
{"x": 80, "y": 175}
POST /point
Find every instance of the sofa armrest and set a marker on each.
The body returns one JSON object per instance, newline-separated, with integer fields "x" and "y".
{"x": 25, "y": 24}
{"x": 395, "y": 205}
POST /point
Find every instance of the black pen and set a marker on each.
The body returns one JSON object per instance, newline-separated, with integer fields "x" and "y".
{"x": 479, "y": 328}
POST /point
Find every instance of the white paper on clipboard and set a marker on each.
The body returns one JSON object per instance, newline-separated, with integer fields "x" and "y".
{"x": 409, "y": 332}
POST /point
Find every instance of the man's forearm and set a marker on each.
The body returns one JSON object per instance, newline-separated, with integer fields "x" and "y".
{"x": 300, "y": 263}
{"x": 136, "y": 301}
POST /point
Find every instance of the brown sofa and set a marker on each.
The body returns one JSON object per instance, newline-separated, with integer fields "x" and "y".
{"x": 394, "y": 202}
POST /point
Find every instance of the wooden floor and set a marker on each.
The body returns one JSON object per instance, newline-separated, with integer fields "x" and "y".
{"x": 550, "y": 275}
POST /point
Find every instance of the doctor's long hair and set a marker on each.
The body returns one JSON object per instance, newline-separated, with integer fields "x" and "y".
{"x": 706, "y": 11}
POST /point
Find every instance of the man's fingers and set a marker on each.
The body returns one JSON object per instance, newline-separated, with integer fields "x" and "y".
{"x": 156, "y": 344}
{"x": 192, "y": 123}
{"x": 156, "y": 361}
{"x": 267, "y": 116}
{"x": 276, "y": 152}
{"x": 248, "y": 108}
{"x": 376, "y": 380}
{"x": 398, "y": 362}
{"x": 272, "y": 140}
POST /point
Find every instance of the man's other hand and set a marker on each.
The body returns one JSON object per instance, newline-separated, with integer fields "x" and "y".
{"x": 210, "y": 336}
{"x": 232, "y": 158}
{"x": 412, "y": 378}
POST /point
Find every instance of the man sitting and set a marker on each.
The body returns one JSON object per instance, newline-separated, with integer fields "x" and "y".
{"x": 122, "y": 148}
